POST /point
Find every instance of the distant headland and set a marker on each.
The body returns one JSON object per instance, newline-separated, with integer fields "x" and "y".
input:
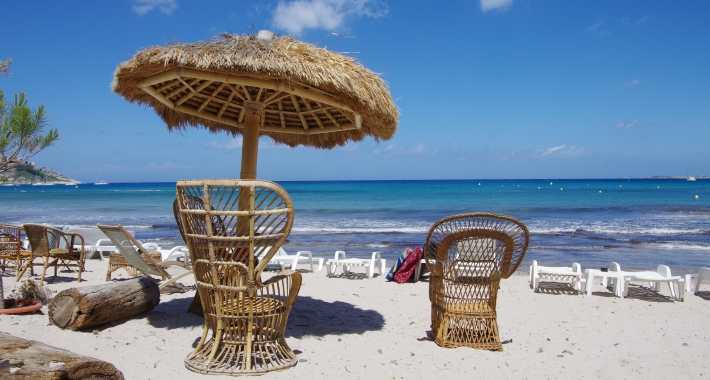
{"x": 27, "y": 173}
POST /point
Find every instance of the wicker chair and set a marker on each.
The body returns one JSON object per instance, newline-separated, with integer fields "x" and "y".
{"x": 467, "y": 256}
{"x": 12, "y": 255}
{"x": 56, "y": 247}
{"x": 225, "y": 222}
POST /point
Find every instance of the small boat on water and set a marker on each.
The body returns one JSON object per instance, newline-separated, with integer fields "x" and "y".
{"x": 101, "y": 183}
{"x": 690, "y": 177}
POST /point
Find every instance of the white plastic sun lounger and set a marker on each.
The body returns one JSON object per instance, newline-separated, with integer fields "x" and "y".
{"x": 281, "y": 257}
{"x": 572, "y": 274}
{"x": 662, "y": 274}
{"x": 370, "y": 264}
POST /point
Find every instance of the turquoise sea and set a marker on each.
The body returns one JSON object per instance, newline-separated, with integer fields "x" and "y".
{"x": 639, "y": 223}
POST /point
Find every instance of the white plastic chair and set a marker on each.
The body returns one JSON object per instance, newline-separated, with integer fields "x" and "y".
{"x": 572, "y": 274}
{"x": 281, "y": 257}
{"x": 703, "y": 274}
{"x": 370, "y": 264}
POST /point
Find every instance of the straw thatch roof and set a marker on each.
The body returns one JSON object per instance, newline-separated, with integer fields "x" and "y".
{"x": 310, "y": 96}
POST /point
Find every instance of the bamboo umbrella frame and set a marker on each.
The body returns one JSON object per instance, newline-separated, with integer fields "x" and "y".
{"x": 291, "y": 91}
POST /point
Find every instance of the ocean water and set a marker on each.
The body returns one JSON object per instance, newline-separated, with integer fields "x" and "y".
{"x": 638, "y": 223}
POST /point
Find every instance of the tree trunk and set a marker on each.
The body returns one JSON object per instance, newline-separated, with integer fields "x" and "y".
{"x": 28, "y": 359}
{"x": 89, "y": 306}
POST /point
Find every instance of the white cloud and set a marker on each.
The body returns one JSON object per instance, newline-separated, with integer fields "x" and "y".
{"x": 561, "y": 151}
{"x": 235, "y": 143}
{"x": 634, "y": 82}
{"x": 626, "y": 124}
{"x": 298, "y": 15}
{"x": 596, "y": 26}
{"x": 141, "y": 7}
{"x": 487, "y": 5}
{"x": 393, "y": 149}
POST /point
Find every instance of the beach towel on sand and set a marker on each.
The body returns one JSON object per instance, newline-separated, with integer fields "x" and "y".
{"x": 404, "y": 273}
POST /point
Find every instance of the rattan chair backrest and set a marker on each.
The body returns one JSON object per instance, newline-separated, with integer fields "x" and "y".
{"x": 225, "y": 222}
{"x": 479, "y": 235}
{"x": 44, "y": 238}
{"x": 10, "y": 239}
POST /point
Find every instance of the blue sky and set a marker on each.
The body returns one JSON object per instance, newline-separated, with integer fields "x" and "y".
{"x": 486, "y": 88}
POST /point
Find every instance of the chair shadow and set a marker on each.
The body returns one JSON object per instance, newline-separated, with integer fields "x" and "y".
{"x": 647, "y": 294}
{"x": 556, "y": 288}
{"x": 354, "y": 276}
{"x": 704, "y": 295}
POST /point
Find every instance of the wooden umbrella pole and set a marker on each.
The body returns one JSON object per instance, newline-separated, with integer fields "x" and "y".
{"x": 250, "y": 140}
{"x": 250, "y": 150}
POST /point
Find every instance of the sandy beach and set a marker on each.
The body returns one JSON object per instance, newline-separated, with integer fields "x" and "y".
{"x": 368, "y": 328}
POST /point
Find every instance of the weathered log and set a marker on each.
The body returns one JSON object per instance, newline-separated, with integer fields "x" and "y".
{"x": 79, "y": 308}
{"x": 28, "y": 359}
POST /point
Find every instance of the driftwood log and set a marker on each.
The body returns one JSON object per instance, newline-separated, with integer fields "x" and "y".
{"x": 28, "y": 359}
{"x": 79, "y": 308}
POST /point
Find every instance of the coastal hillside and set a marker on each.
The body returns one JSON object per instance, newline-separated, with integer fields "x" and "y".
{"x": 27, "y": 173}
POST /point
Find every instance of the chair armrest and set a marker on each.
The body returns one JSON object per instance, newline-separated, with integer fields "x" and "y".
{"x": 285, "y": 275}
{"x": 338, "y": 253}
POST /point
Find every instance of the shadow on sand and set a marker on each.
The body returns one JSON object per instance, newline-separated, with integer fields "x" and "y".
{"x": 308, "y": 317}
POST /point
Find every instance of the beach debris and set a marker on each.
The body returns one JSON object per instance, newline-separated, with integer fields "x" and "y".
{"x": 303, "y": 360}
{"x": 560, "y": 356}
{"x": 507, "y": 365}
{"x": 340, "y": 339}
{"x": 155, "y": 365}
{"x": 412, "y": 353}
{"x": 38, "y": 360}
{"x": 412, "y": 322}
{"x": 540, "y": 350}
{"x": 380, "y": 350}
{"x": 89, "y": 306}
{"x": 567, "y": 352}
{"x": 507, "y": 341}
{"x": 616, "y": 344}
{"x": 685, "y": 344}
{"x": 95, "y": 332}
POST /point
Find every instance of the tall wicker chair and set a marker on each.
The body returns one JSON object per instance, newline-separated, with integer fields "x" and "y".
{"x": 55, "y": 247}
{"x": 12, "y": 255}
{"x": 225, "y": 222}
{"x": 468, "y": 255}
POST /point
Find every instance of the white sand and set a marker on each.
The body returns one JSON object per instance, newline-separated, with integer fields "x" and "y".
{"x": 368, "y": 328}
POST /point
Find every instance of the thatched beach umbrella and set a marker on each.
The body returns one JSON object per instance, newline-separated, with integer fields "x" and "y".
{"x": 291, "y": 91}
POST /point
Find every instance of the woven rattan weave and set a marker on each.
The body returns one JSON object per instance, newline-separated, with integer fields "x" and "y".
{"x": 468, "y": 255}
{"x": 56, "y": 248}
{"x": 225, "y": 222}
{"x": 116, "y": 261}
{"x": 12, "y": 255}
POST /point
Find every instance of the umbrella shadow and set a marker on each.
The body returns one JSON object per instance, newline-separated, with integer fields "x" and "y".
{"x": 308, "y": 317}
{"x": 556, "y": 288}
{"x": 646, "y": 294}
{"x": 314, "y": 317}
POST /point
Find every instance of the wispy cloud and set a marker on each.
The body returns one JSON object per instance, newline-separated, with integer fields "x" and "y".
{"x": 560, "y": 151}
{"x": 298, "y": 15}
{"x": 634, "y": 82}
{"x": 393, "y": 149}
{"x": 595, "y": 26}
{"x": 625, "y": 125}
{"x": 643, "y": 19}
{"x": 487, "y": 5}
{"x": 141, "y": 7}
{"x": 235, "y": 143}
